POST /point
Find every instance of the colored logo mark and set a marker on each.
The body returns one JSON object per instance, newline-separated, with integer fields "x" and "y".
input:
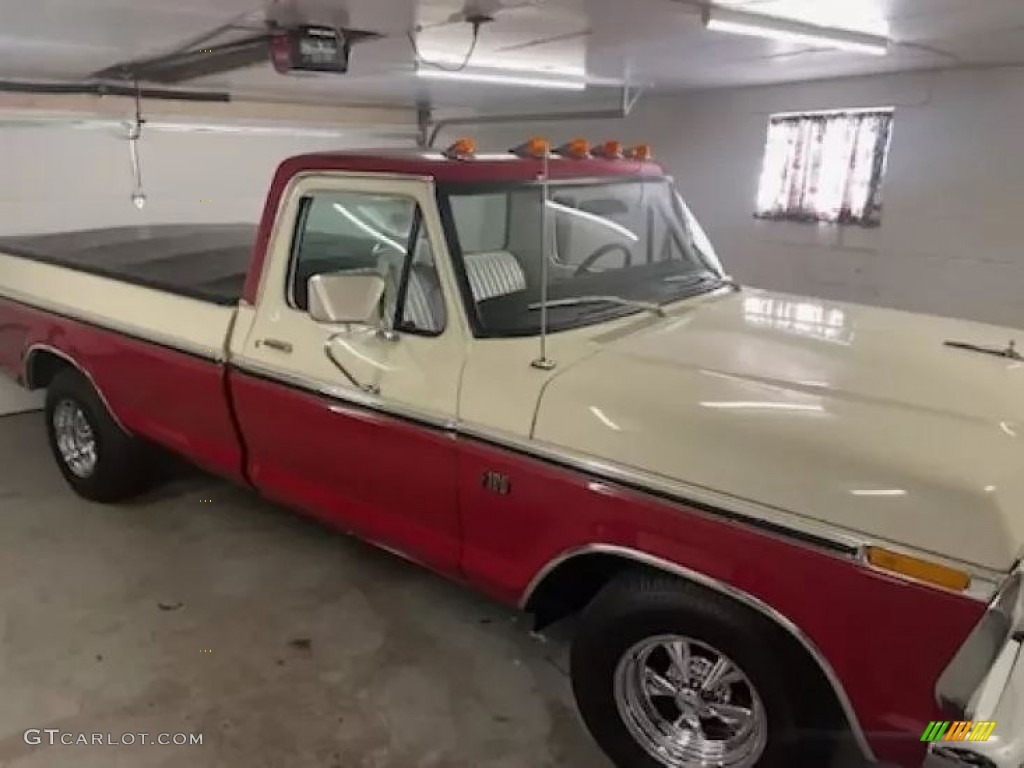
{"x": 958, "y": 731}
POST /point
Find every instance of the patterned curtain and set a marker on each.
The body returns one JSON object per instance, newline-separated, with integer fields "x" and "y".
{"x": 825, "y": 167}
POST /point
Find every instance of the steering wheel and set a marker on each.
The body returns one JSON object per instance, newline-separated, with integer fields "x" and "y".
{"x": 600, "y": 253}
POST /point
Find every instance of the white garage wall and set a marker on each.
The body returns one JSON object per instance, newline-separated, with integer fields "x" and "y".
{"x": 59, "y": 178}
{"x": 951, "y": 239}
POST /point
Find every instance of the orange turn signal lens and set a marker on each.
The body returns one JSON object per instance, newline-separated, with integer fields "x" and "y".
{"x": 533, "y": 147}
{"x": 610, "y": 150}
{"x": 922, "y": 570}
{"x": 576, "y": 148}
{"x": 640, "y": 152}
{"x": 463, "y": 149}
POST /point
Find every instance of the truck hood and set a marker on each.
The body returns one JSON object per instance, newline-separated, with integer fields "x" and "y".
{"x": 859, "y": 418}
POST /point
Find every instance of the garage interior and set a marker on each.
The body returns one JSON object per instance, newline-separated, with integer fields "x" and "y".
{"x": 201, "y": 607}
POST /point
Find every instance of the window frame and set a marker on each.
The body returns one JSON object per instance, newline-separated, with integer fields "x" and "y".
{"x": 417, "y": 227}
{"x": 872, "y": 216}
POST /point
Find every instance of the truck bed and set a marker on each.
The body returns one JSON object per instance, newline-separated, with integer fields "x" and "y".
{"x": 201, "y": 261}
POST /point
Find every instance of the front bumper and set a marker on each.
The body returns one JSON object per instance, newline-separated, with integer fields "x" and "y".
{"x": 999, "y": 699}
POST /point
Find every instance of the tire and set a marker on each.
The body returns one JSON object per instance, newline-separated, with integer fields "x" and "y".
{"x": 645, "y": 622}
{"x": 102, "y": 462}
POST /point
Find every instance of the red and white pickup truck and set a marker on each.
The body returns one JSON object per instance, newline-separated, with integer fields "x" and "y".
{"x": 786, "y": 522}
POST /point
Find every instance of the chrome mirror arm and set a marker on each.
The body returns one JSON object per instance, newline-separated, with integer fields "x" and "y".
{"x": 371, "y": 389}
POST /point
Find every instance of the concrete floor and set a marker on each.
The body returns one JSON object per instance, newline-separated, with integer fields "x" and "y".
{"x": 202, "y": 609}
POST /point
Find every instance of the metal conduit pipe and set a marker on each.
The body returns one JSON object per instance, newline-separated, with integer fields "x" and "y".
{"x": 629, "y": 98}
{"x": 107, "y": 89}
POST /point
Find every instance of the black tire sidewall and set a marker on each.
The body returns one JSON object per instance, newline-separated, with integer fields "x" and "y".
{"x": 610, "y": 627}
{"x": 120, "y": 466}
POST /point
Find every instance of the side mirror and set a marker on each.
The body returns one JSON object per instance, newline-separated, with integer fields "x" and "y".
{"x": 346, "y": 298}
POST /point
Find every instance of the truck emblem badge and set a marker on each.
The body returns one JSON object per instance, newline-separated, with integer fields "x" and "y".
{"x": 495, "y": 482}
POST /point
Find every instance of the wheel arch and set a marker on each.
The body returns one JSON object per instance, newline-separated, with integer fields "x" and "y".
{"x": 42, "y": 363}
{"x": 565, "y": 571}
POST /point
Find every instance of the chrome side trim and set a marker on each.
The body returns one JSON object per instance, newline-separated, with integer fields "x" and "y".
{"x": 162, "y": 340}
{"x": 29, "y": 384}
{"x": 764, "y": 519}
{"x": 358, "y": 398}
{"x": 700, "y": 500}
{"x": 729, "y": 591}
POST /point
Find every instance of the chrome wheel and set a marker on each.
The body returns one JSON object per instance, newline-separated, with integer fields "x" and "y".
{"x": 75, "y": 438}
{"x": 689, "y": 705}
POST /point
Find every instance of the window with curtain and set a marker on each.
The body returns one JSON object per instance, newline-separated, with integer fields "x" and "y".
{"x": 825, "y": 167}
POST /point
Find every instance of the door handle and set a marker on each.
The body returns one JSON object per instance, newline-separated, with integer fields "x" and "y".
{"x": 277, "y": 345}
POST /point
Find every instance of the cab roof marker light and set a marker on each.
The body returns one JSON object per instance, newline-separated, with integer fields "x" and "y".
{"x": 578, "y": 149}
{"x": 462, "y": 149}
{"x": 640, "y": 152}
{"x": 792, "y": 31}
{"x": 609, "y": 150}
{"x": 535, "y": 147}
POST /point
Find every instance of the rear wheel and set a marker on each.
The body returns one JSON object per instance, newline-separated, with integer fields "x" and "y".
{"x": 669, "y": 675}
{"x": 99, "y": 460}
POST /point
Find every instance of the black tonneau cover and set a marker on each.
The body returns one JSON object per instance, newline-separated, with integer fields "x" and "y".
{"x": 201, "y": 261}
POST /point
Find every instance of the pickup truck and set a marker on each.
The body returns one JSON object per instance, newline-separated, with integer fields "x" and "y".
{"x": 784, "y": 525}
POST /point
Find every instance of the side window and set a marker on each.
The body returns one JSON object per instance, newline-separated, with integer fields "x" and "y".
{"x": 481, "y": 221}
{"x": 367, "y": 233}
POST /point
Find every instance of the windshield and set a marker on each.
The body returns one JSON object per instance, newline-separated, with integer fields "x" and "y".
{"x": 614, "y": 248}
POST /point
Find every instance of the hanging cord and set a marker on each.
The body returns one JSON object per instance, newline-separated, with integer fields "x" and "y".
{"x": 477, "y": 22}
{"x": 134, "y": 134}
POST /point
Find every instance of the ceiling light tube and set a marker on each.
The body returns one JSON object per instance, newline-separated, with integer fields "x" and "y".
{"x": 593, "y": 217}
{"x": 503, "y": 78}
{"x": 789, "y": 31}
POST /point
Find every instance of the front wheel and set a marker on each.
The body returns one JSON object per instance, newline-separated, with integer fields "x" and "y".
{"x": 669, "y": 675}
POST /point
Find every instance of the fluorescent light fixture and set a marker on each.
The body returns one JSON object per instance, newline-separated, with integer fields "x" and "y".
{"x": 767, "y": 405}
{"x": 603, "y": 418}
{"x": 374, "y": 233}
{"x": 528, "y": 66}
{"x": 594, "y": 219}
{"x": 500, "y": 77}
{"x": 880, "y": 492}
{"x": 789, "y": 31}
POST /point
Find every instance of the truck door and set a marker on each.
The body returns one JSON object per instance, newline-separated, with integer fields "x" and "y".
{"x": 368, "y": 450}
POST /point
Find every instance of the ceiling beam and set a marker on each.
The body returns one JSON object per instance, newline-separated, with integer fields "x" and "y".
{"x": 237, "y": 110}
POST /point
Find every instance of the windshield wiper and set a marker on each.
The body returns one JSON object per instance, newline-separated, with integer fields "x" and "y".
{"x": 691, "y": 280}
{"x": 578, "y": 301}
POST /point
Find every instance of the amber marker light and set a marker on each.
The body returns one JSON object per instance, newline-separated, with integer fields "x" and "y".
{"x": 641, "y": 152}
{"x": 610, "y": 150}
{"x": 578, "y": 149}
{"x": 533, "y": 147}
{"x": 462, "y": 149}
{"x": 915, "y": 568}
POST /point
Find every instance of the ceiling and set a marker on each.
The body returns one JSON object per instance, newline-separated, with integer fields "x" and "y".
{"x": 657, "y": 43}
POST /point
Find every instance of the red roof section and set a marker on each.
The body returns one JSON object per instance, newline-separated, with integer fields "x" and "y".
{"x": 483, "y": 168}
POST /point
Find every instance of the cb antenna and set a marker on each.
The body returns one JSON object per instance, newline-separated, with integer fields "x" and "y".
{"x": 134, "y": 134}
{"x": 543, "y": 362}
